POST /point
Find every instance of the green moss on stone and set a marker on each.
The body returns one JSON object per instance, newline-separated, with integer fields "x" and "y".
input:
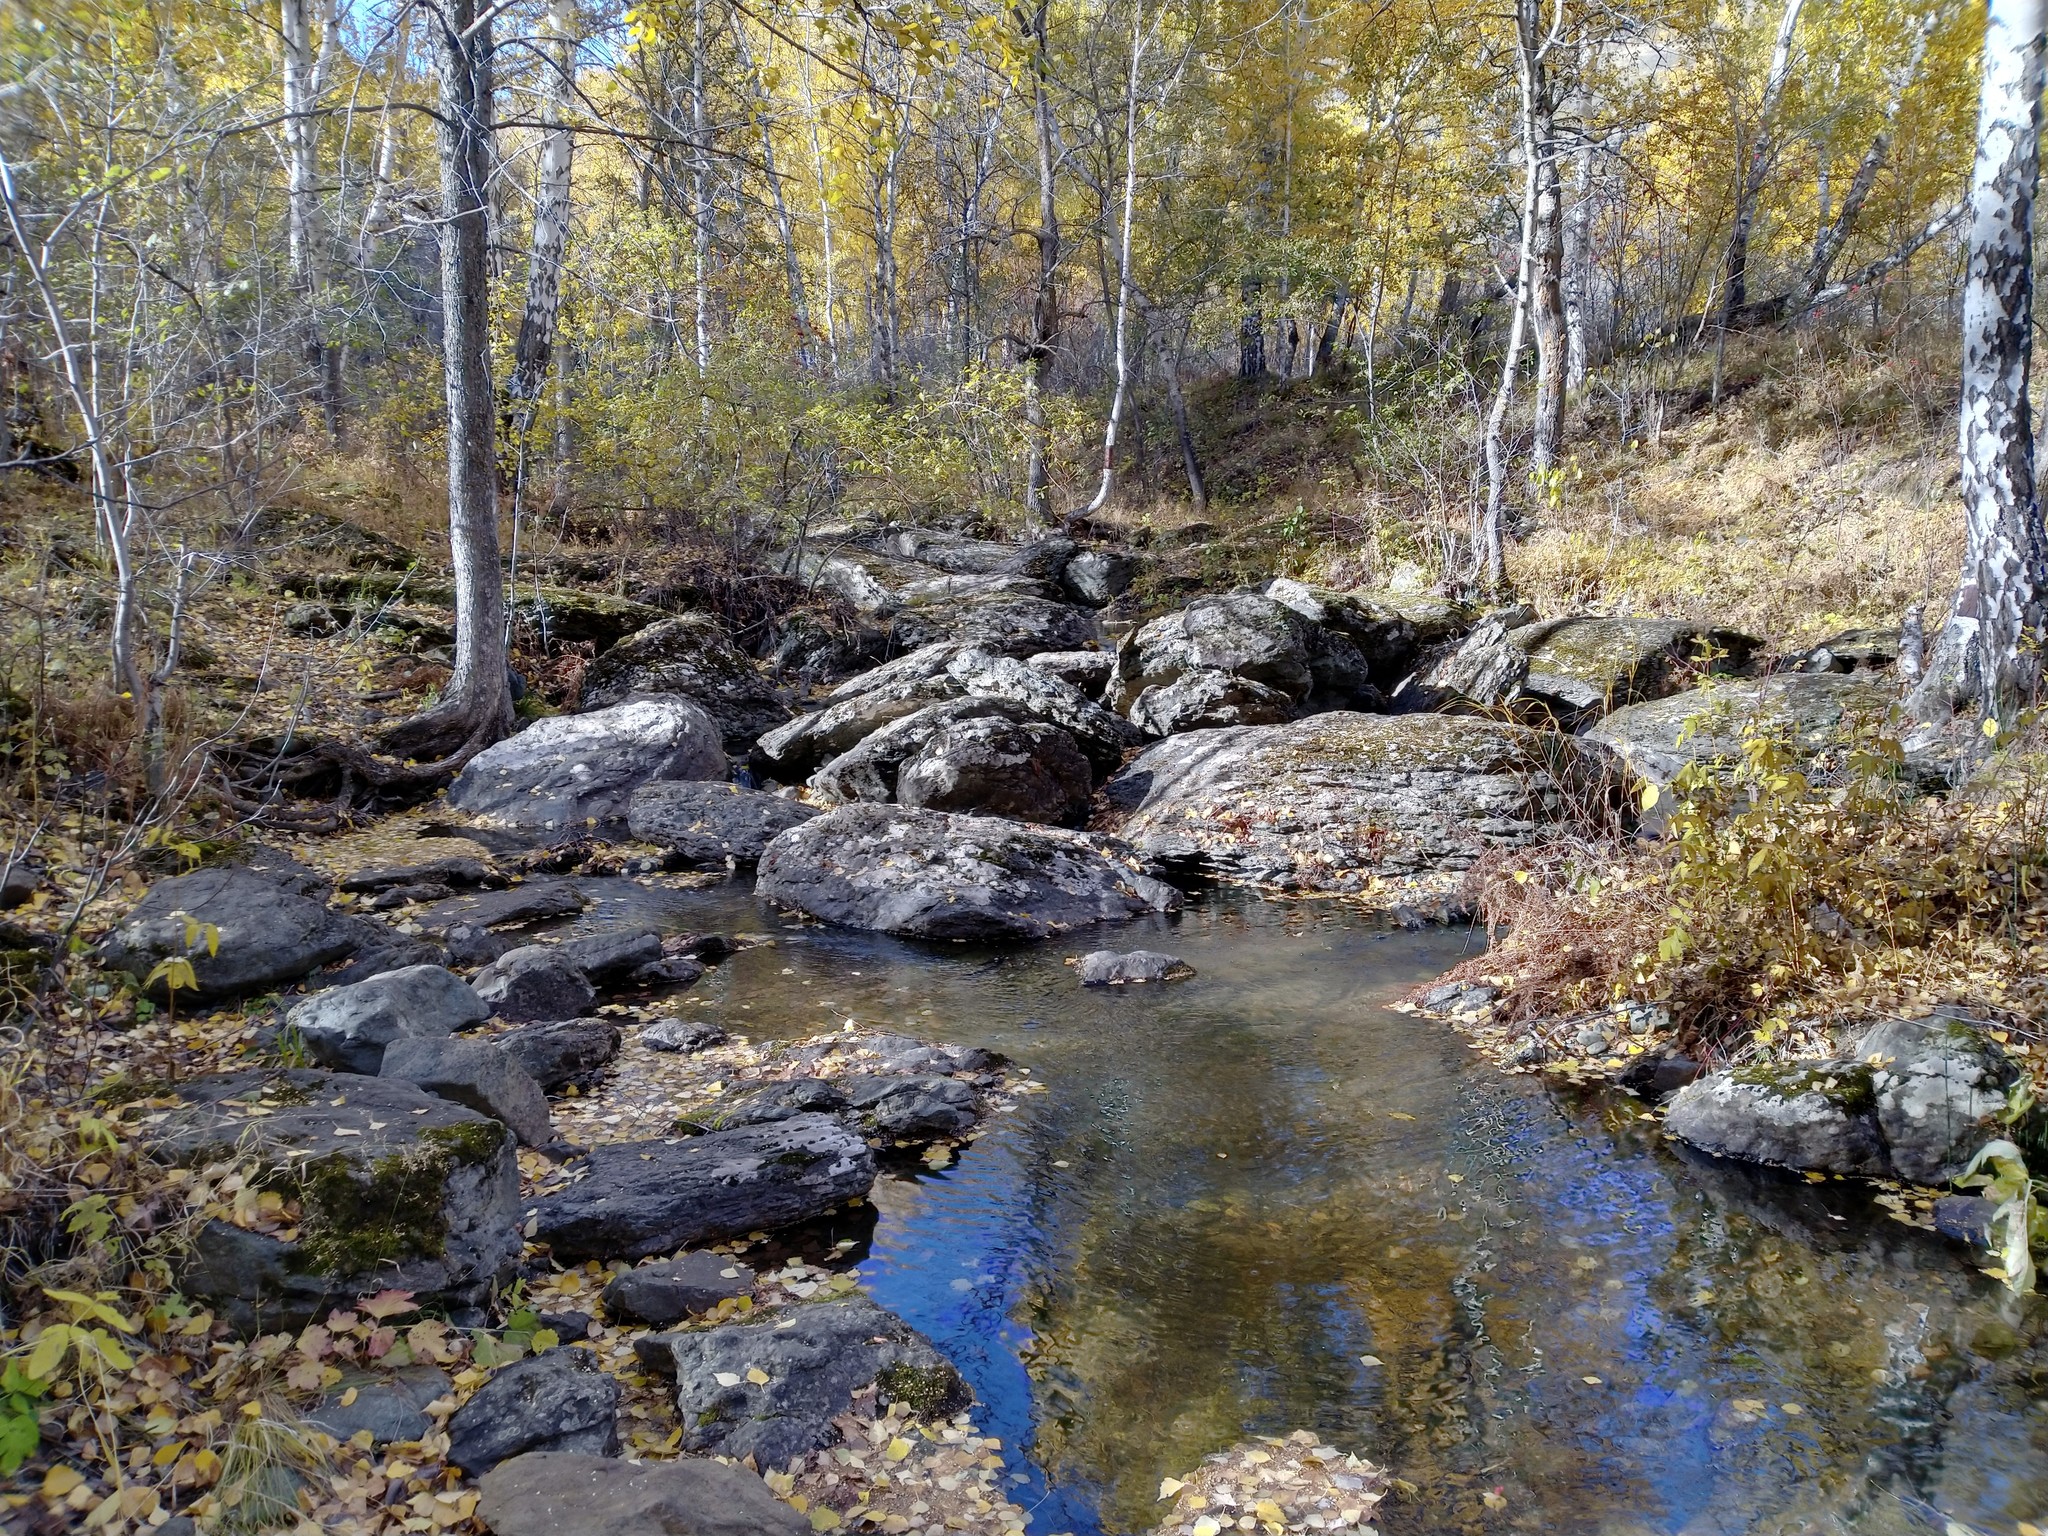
{"x": 927, "y": 1390}
{"x": 1846, "y": 1085}
{"x": 355, "y": 1219}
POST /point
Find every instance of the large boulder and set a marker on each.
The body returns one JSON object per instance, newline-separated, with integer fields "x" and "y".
{"x": 567, "y": 772}
{"x": 690, "y": 656}
{"x": 1941, "y": 1086}
{"x": 476, "y": 1074}
{"x": 1244, "y": 634}
{"x": 1815, "y": 713}
{"x": 1101, "y": 734}
{"x": 1584, "y": 667}
{"x": 771, "y": 1388}
{"x": 554, "y": 1054}
{"x": 1205, "y": 700}
{"x": 637, "y": 1198}
{"x": 535, "y": 982}
{"x": 552, "y": 1494}
{"x": 1329, "y": 802}
{"x": 1026, "y": 770}
{"x": 912, "y": 1109}
{"x": 393, "y": 1188}
{"x": 929, "y": 874}
{"x": 707, "y": 824}
{"x": 349, "y": 1028}
{"x": 240, "y": 932}
{"x": 868, "y": 770}
{"x": 1005, "y": 623}
{"x": 1098, "y": 577}
{"x": 1820, "y": 1116}
{"x": 1484, "y": 671}
{"x": 1089, "y": 671}
{"x": 561, "y": 1401}
{"x": 1384, "y": 638}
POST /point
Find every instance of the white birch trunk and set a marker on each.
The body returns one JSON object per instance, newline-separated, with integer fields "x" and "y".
{"x": 1123, "y": 264}
{"x": 541, "y": 313}
{"x": 1763, "y": 142}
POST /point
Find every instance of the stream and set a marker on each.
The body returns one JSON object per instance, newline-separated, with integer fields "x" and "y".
{"x": 1259, "y": 1200}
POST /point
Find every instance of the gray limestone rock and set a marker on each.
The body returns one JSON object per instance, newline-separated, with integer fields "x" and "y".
{"x": 560, "y": 1401}
{"x": 533, "y": 982}
{"x": 707, "y": 824}
{"x": 555, "y": 1494}
{"x": 241, "y": 931}
{"x": 1819, "y": 1116}
{"x": 1026, "y": 770}
{"x": 479, "y": 1075}
{"x": 1107, "y": 968}
{"x": 568, "y": 772}
{"x": 668, "y": 1291}
{"x": 554, "y": 1054}
{"x": 350, "y": 1027}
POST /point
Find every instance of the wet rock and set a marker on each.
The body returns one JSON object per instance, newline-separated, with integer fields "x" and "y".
{"x": 930, "y": 874}
{"x": 394, "y": 896}
{"x": 1098, "y": 577}
{"x": 478, "y": 1075}
{"x": 1328, "y": 802}
{"x": 350, "y": 1027}
{"x": 1029, "y": 771}
{"x": 1584, "y": 667}
{"x": 668, "y": 972}
{"x": 1658, "y": 1077}
{"x": 469, "y": 946}
{"x": 1459, "y": 997}
{"x": 1815, "y": 712}
{"x": 869, "y": 770}
{"x": 1107, "y": 968}
{"x": 690, "y": 656}
{"x": 609, "y": 958}
{"x": 815, "y": 1363}
{"x": 667, "y": 1292}
{"x": 710, "y": 948}
{"x": 567, "y": 772}
{"x": 540, "y": 901}
{"x": 641, "y": 1198}
{"x": 1204, "y": 700}
{"x": 1942, "y": 1085}
{"x": 1485, "y": 671}
{"x": 554, "y": 1054}
{"x": 542, "y": 1494}
{"x": 459, "y": 870}
{"x": 267, "y": 935}
{"x": 1089, "y": 671}
{"x": 397, "y": 1188}
{"x": 901, "y": 1054}
{"x": 1965, "y": 1219}
{"x": 1820, "y": 1116}
{"x": 1243, "y": 634}
{"x": 707, "y": 824}
{"x": 560, "y": 1401}
{"x": 534, "y": 982}
{"x": 776, "y": 1102}
{"x": 913, "y": 1109}
{"x": 390, "y": 1405}
{"x": 682, "y": 1035}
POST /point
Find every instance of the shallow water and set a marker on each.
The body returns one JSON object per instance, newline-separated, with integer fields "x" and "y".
{"x": 1259, "y": 1200}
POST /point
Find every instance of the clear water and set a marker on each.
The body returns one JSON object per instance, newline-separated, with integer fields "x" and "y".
{"x": 1239, "y": 1187}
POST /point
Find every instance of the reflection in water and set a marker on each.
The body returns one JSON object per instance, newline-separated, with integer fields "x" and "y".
{"x": 1258, "y": 1201}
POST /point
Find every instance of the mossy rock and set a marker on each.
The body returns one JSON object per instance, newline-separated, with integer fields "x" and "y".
{"x": 564, "y": 614}
{"x": 394, "y": 1189}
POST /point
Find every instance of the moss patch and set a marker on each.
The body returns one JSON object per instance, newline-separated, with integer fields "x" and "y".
{"x": 1845, "y": 1085}
{"x": 359, "y": 1218}
{"x": 930, "y": 1391}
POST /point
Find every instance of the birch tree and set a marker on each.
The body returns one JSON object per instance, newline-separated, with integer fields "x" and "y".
{"x": 1988, "y": 652}
{"x": 538, "y": 318}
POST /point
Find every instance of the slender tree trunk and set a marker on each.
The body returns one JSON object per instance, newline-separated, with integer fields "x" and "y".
{"x": 1045, "y": 307}
{"x": 1543, "y": 243}
{"x": 1184, "y": 435}
{"x": 1834, "y": 233}
{"x": 826, "y": 272}
{"x": 1988, "y": 653}
{"x": 537, "y": 320}
{"x": 700, "y": 210}
{"x": 304, "y": 81}
{"x": 785, "y": 226}
{"x": 1490, "y": 555}
{"x": 1578, "y": 272}
{"x": 1123, "y": 262}
{"x": 377, "y": 215}
{"x": 1762, "y": 149}
{"x": 476, "y": 707}
{"x": 1251, "y": 331}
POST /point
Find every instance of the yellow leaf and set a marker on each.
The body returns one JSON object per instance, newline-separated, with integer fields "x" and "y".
{"x": 1169, "y": 1486}
{"x": 824, "y": 1519}
{"x": 757, "y": 1376}
{"x": 545, "y": 1338}
{"x": 60, "y": 1480}
{"x": 897, "y": 1449}
{"x": 51, "y": 1346}
{"x": 1267, "y": 1510}
{"x": 1206, "y": 1527}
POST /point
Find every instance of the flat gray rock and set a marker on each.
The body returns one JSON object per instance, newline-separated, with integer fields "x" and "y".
{"x": 478, "y": 1075}
{"x": 397, "y": 1189}
{"x": 459, "y": 870}
{"x": 610, "y": 958}
{"x": 265, "y": 934}
{"x": 1586, "y": 666}
{"x": 912, "y": 1109}
{"x": 568, "y": 772}
{"x": 350, "y": 1027}
{"x": 683, "y": 1036}
{"x": 637, "y": 1198}
{"x": 1332, "y": 801}
{"x": 559, "y": 1401}
{"x": 535, "y": 902}
{"x": 1107, "y": 968}
{"x": 708, "y": 823}
{"x": 1815, "y": 712}
{"x": 1088, "y": 671}
{"x": 821, "y": 1355}
{"x": 668, "y": 1291}
{"x": 929, "y": 874}
{"x": 534, "y": 982}
{"x": 1819, "y": 1116}
{"x": 554, "y": 1494}
{"x": 390, "y": 1405}
{"x": 1005, "y": 623}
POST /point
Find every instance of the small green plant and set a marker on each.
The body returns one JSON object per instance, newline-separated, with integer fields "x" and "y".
{"x": 21, "y": 1397}
{"x": 175, "y": 971}
{"x": 2019, "y": 1221}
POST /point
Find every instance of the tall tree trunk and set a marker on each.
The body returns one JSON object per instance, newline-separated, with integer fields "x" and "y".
{"x": 1543, "y": 244}
{"x": 1183, "y": 434}
{"x": 537, "y": 320}
{"x": 785, "y": 226}
{"x": 1988, "y": 653}
{"x": 1045, "y": 307}
{"x": 476, "y": 707}
{"x": 304, "y": 82}
{"x": 826, "y": 271}
{"x": 1490, "y": 554}
{"x": 1762, "y": 149}
{"x": 1834, "y": 233}
{"x": 888, "y": 300}
{"x": 384, "y": 172}
{"x": 1578, "y": 271}
{"x": 1123, "y": 262}
{"x": 700, "y": 211}
{"x": 1251, "y": 330}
